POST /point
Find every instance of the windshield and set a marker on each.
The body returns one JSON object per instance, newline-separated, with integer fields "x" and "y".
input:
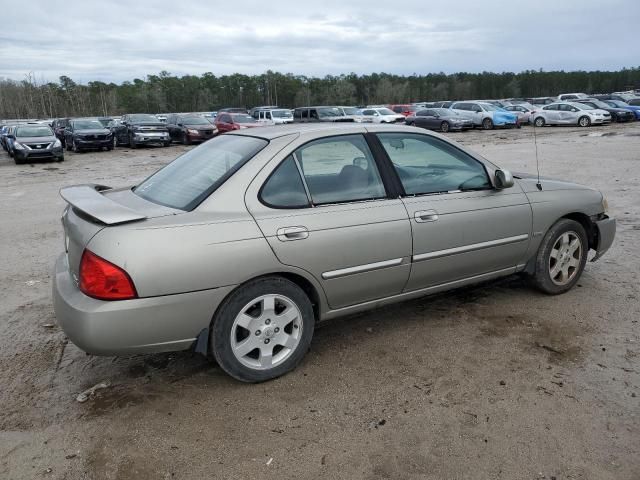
{"x": 195, "y": 120}
{"x": 87, "y": 124}
{"x": 490, "y": 107}
{"x": 281, "y": 114}
{"x": 35, "y": 131}
{"x": 143, "y": 117}
{"x": 243, "y": 119}
{"x": 329, "y": 112}
{"x": 385, "y": 111}
{"x": 617, "y": 103}
{"x": 350, "y": 111}
{"x": 599, "y": 104}
{"x": 581, "y": 106}
{"x": 192, "y": 177}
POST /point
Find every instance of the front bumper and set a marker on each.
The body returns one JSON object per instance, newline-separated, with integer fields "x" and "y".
{"x": 606, "y": 233}
{"x": 143, "y": 325}
{"x": 145, "y": 138}
{"x": 27, "y": 154}
{"x": 93, "y": 143}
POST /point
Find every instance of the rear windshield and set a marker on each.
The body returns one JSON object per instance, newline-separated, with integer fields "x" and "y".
{"x": 192, "y": 177}
{"x": 239, "y": 118}
{"x": 142, "y": 117}
{"x": 33, "y": 132}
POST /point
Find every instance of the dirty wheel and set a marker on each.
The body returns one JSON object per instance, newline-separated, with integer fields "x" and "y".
{"x": 444, "y": 127}
{"x": 262, "y": 330}
{"x": 487, "y": 124}
{"x": 561, "y": 257}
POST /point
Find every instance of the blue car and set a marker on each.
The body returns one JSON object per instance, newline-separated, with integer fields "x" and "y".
{"x": 486, "y": 115}
{"x": 620, "y": 104}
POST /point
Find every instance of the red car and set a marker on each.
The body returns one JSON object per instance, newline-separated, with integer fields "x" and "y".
{"x": 404, "y": 109}
{"x": 226, "y": 122}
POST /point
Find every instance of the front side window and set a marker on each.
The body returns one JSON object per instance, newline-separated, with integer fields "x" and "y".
{"x": 340, "y": 169}
{"x": 192, "y": 177}
{"x": 429, "y": 165}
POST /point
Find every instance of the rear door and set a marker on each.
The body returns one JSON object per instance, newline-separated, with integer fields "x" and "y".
{"x": 462, "y": 227}
{"x": 325, "y": 209}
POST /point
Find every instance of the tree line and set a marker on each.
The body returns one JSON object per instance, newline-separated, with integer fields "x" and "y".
{"x": 30, "y": 98}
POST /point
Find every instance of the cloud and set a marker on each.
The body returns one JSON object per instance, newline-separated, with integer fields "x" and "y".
{"x": 119, "y": 40}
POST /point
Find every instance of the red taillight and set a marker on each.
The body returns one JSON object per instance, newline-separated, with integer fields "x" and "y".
{"x": 104, "y": 280}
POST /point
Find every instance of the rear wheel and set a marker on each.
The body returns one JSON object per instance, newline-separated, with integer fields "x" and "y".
{"x": 185, "y": 139}
{"x": 561, "y": 257}
{"x": 444, "y": 127}
{"x": 539, "y": 122}
{"x": 487, "y": 124}
{"x": 584, "y": 121}
{"x": 262, "y": 330}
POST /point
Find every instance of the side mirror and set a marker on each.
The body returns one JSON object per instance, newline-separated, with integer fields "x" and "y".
{"x": 12, "y": 137}
{"x": 503, "y": 179}
{"x": 180, "y": 125}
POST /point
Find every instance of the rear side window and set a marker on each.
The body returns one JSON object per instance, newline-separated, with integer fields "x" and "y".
{"x": 284, "y": 188}
{"x": 192, "y": 177}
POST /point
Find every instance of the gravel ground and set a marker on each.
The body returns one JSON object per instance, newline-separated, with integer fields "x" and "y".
{"x": 491, "y": 382}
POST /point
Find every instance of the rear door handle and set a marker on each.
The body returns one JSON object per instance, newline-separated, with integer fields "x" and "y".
{"x": 288, "y": 234}
{"x": 423, "y": 216}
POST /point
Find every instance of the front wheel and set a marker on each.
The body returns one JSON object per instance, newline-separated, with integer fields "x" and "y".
{"x": 262, "y": 330}
{"x": 444, "y": 127}
{"x": 132, "y": 142}
{"x": 539, "y": 122}
{"x": 584, "y": 121}
{"x": 561, "y": 257}
{"x": 487, "y": 124}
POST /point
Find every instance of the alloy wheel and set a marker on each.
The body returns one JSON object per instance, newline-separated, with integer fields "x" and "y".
{"x": 266, "y": 332}
{"x": 565, "y": 258}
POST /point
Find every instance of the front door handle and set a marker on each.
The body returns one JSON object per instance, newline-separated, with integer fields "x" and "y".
{"x": 288, "y": 234}
{"x": 423, "y": 216}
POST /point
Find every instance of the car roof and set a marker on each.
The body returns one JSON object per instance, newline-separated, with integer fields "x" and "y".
{"x": 326, "y": 128}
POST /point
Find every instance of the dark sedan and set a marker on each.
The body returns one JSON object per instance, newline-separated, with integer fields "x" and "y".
{"x": 442, "y": 119}
{"x": 189, "y": 129}
{"x": 617, "y": 114}
{"x": 87, "y": 134}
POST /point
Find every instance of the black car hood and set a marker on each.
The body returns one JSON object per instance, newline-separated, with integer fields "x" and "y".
{"x": 93, "y": 131}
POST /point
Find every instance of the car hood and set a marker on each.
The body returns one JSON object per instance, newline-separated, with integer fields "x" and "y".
{"x": 93, "y": 131}
{"x": 528, "y": 183}
{"x": 48, "y": 138}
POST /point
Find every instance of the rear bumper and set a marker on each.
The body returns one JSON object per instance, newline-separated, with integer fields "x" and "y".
{"x": 606, "y": 233}
{"x": 144, "y": 325}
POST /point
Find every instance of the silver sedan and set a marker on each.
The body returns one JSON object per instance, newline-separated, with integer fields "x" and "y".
{"x": 570, "y": 113}
{"x": 240, "y": 246}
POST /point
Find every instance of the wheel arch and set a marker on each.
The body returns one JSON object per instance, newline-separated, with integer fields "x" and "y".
{"x": 584, "y": 220}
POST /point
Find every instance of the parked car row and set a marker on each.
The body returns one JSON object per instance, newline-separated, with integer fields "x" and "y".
{"x": 29, "y": 141}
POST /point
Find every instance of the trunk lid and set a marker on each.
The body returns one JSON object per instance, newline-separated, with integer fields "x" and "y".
{"x": 92, "y": 208}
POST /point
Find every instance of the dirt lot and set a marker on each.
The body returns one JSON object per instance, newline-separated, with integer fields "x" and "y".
{"x": 492, "y": 382}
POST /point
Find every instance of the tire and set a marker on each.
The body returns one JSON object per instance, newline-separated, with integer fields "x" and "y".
{"x": 114, "y": 140}
{"x": 487, "y": 124}
{"x": 444, "y": 127}
{"x": 60, "y": 159}
{"x": 246, "y": 305}
{"x": 584, "y": 121}
{"x": 18, "y": 161}
{"x": 67, "y": 146}
{"x": 74, "y": 147}
{"x": 559, "y": 262}
{"x": 185, "y": 139}
{"x": 132, "y": 144}
{"x": 167, "y": 144}
{"x": 539, "y": 122}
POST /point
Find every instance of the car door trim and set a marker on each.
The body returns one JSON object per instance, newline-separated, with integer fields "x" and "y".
{"x": 470, "y": 248}
{"x": 368, "y": 267}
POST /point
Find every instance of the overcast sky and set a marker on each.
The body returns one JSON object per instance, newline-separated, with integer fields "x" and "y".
{"x": 121, "y": 40}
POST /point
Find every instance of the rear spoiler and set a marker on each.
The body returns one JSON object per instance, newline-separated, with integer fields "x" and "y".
{"x": 89, "y": 200}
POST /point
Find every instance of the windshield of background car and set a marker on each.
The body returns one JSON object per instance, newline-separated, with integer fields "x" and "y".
{"x": 329, "y": 112}
{"x": 281, "y": 114}
{"x": 490, "y": 107}
{"x": 243, "y": 119}
{"x": 143, "y": 118}
{"x": 195, "y": 120}
{"x": 34, "y": 132}
{"x": 580, "y": 106}
{"x": 351, "y": 111}
{"x": 192, "y": 177}
{"x": 87, "y": 125}
{"x": 385, "y": 111}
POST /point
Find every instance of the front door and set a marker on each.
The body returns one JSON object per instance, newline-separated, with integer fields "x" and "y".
{"x": 462, "y": 226}
{"x": 325, "y": 209}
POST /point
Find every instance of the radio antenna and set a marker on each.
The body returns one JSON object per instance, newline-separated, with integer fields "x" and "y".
{"x": 535, "y": 141}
